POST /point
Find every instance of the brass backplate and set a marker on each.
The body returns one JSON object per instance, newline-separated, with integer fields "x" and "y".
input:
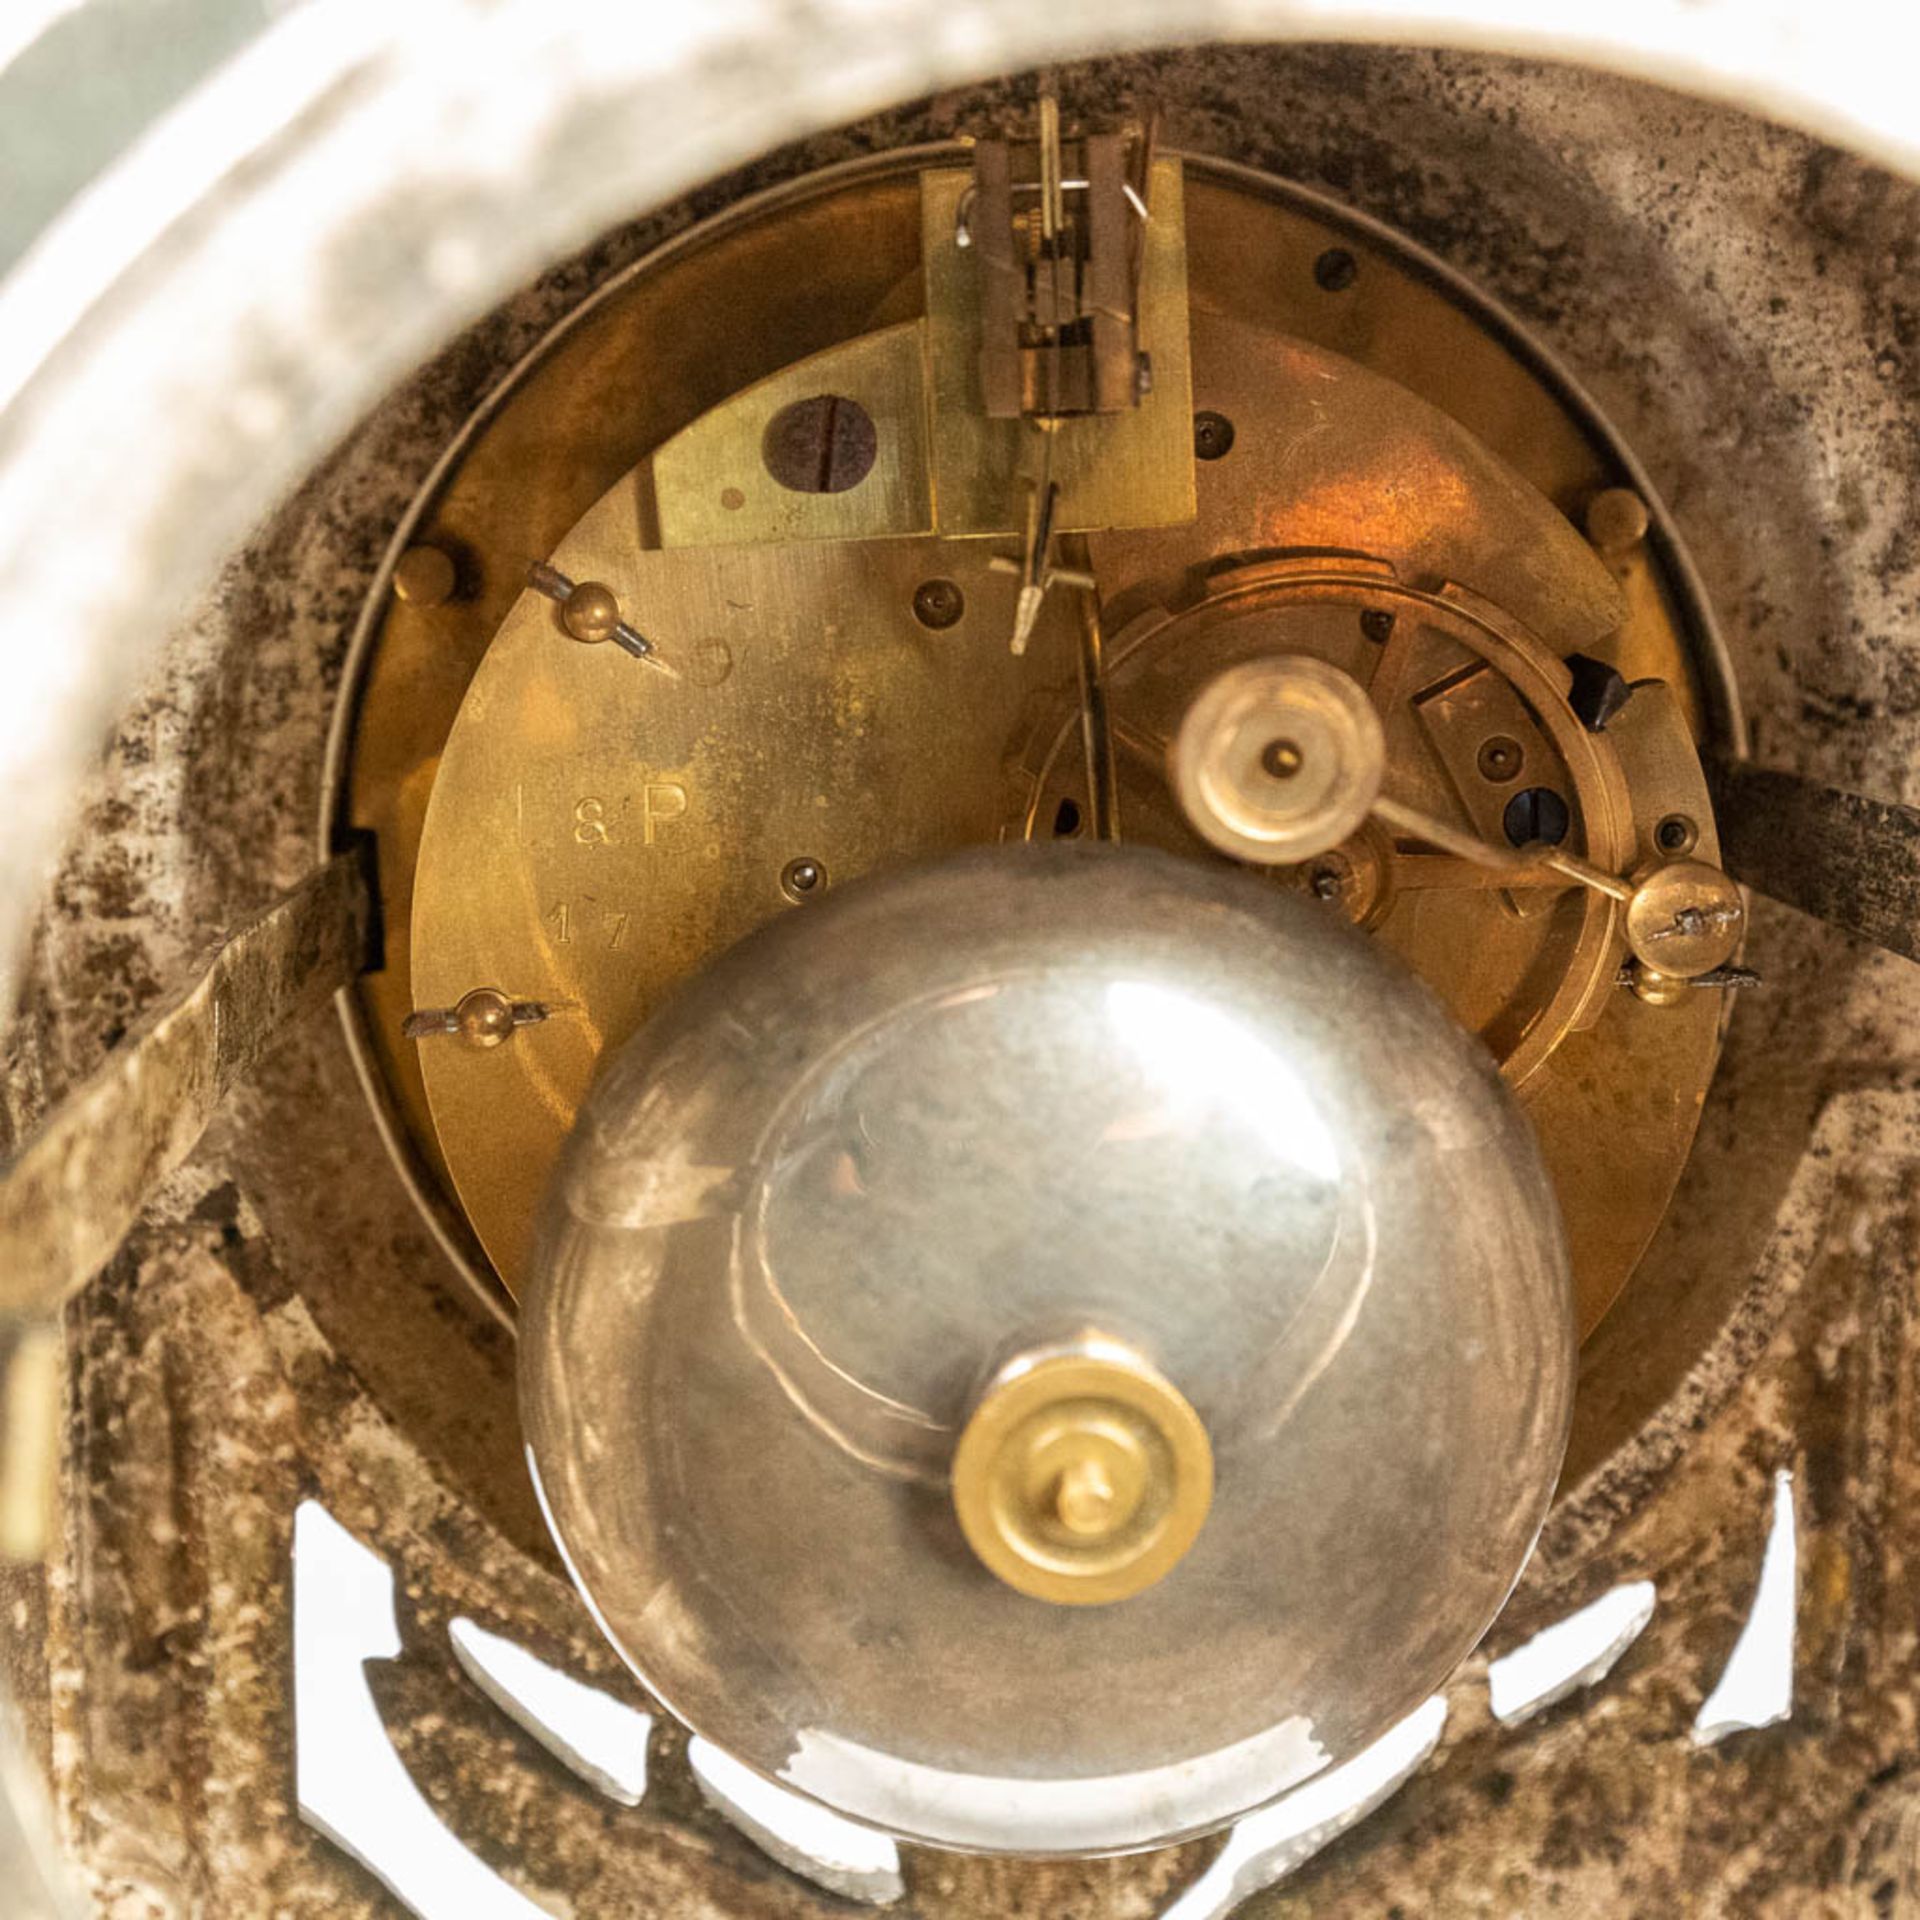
{"x": 598, "y": 829}
{"x": 845, "y": 730}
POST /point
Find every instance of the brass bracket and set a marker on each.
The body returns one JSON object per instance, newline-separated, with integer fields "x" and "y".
{"x": 70, "y": 1194}
{"x": 1059, "y": 271}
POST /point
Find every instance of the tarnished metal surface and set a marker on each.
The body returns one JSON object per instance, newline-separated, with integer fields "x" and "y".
{"x": 71, "y": 1192}
{"x": 1845, "y": 859}
{"x": 284, "y": 1325}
